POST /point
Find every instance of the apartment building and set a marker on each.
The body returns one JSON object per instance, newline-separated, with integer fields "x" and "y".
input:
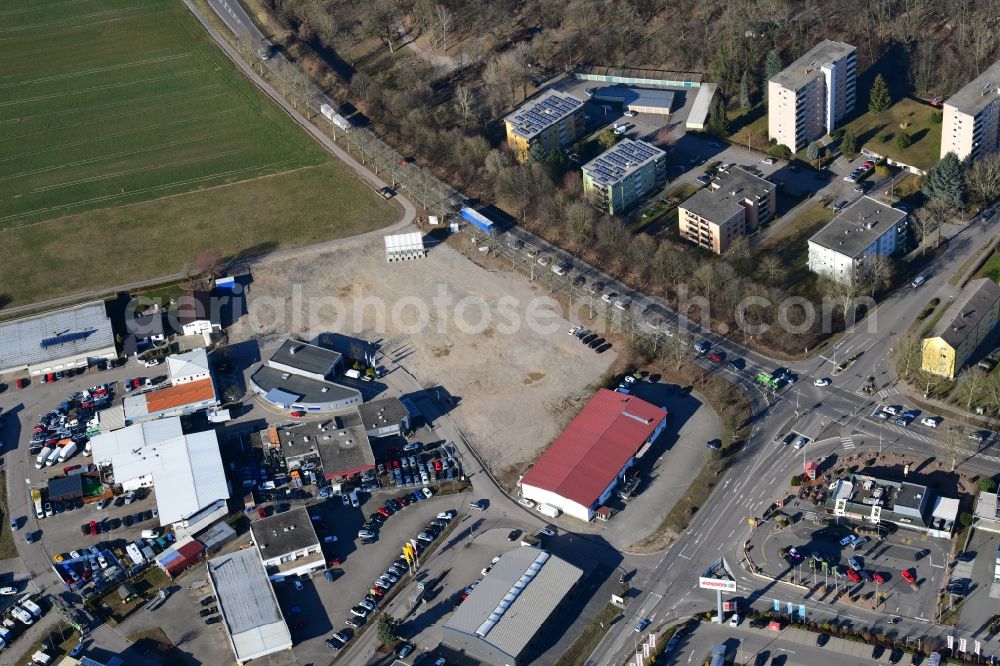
{"x": 864, "y": 229}
{"x": 971, "y": 124}
{"x": 969, "y": 320}
{"x": 543, "y": 124}
{"x": 810, "y": 97}
{"x": 622, "y": 175}
{"x": 733, "y": 205}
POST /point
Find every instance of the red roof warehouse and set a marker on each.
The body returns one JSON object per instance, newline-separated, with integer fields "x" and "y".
{"x": 580, "y": 470}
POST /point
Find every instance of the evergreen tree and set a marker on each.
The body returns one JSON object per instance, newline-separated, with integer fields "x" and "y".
{"x": 812, "y": 152}
{"x": 772, "y": 64}
{"x": 946, "y": 179}
{"x": 718, "y": 122}
{"x": 879, "y": 99}
{"x": 848, "y": 145}
{"x": 903, "y": 141}
{"x": 745, "y": 100}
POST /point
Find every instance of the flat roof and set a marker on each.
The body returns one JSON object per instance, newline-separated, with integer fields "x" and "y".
{"x": 621, "y": 160}
{"x": 197, "y": 392}
{"x": 248, "y": 604}
{"x": 70, "y": 332}
{"x": 859, "y": 225}
{"x": 585, "y": 458}
{"x": 187, "y": 470}
{"x": 537, "y": 114}
{"x": 976, "y": 301}
{"x": 284, "y": 533}
{"x": 382, "y": 412}
{"x": 515, "y": 598}
{"x": 807, "y": 66}
{"x": 722, "y": 198}
{"x": 636, "y": 96}
{"x": 647, "y": 75}
{"x": 307, "y": 390}
{"x": 340, "y": 442}
{"x": 404, "y": 242}
{"x": 978, "y": 93}
{"x": 305, "y": 357}
{"x": 195, "y": 306}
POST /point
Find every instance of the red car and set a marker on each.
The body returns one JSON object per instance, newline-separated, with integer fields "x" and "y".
{"x": 21, "y": 383}
{"x": 93, "y": 528}
{"x": 877, "y": 577}
{"x": 382, "y": 512}
{"x": 297, "y": 415}
{"x": 853, "y": 576}
{"x": 51, "y": 377}
{"x": 437, "y": 465}
{"x": 908, "y": 576}
{"x": 261, "y": 513}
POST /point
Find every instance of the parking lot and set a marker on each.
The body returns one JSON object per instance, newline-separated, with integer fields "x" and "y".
{"x": 922, "y": 557}
{"x": 976, "y": 575}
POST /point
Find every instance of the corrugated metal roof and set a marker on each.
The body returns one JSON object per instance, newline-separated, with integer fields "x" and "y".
{"x": 70, "y": 332}
{"x": 192, "y": 363}
{"x": 505, "y": 617}
{"x": 584, "y": 459}
{"x": 249, "y": 607}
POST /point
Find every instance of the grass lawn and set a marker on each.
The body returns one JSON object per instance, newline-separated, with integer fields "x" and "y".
{"x": 991, "y": 268}
{"x": 295, "y": 208}
{"x": 109, "y": 102}
{"x": 580, "y": 650}
{"x": 7, "y": 549}
{"x": 878, "y": 133}
{"x": 805, "y": 224}
{"x": 750, "y": 124}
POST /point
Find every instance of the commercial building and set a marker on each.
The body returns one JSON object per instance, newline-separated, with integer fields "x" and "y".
{"x": 638, "y": 76}
{"x": 288, "y": 544}
{"x": 622, "y": 175}
{"x": 181, "y": 556}
{"x": 296, "y": 377}
{"x": 185, "y": 470}
{"x": 865, "y": 229}
{"x": 971, "y": 122}
{"x": 967, "y": 322}
{"x": 59, "y": 340}
{"x": 987, "y": 513}
{"x": 877, "y": 500}
{"x": 197, "y": 314}
{"x": 545, "y": 123}
{"x": 142, "y": 331}
{"x": 580, "y": 470}
{"x": 385, "y": 417}
{"x": 337, "y": 447}
{"x": 188, "y": 367}
{"x": 640, "y": 100}
{"x": 188, "y": 389}
{"x": 735, "y": 204}
{"x": 810, "y": 97}
{"x": 511, "y": 605}
{"x": 248, "y": 605}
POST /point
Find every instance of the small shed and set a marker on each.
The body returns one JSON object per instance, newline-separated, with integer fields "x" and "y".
{"x": 127, "y": 592}
{"x": 604, "y": 513}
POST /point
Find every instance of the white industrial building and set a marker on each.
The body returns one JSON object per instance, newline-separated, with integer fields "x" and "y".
{"x": 60, "y": 340}
{"x": 401, "y": 247}
{"x": 185, "y": 470}
{"x": 188, "y": 367}
{"x": 249, "y": 606}
{"x": 288, "y": 544}
{"x": 865, "y": 229}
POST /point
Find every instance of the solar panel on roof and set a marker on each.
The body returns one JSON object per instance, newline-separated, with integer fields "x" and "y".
{"x": 64, "y": 338}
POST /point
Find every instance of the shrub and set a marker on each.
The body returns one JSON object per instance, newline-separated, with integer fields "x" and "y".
{"x": 934, "y": 302}
{"x": 965, "y": 519}
{"x": 796, "y": 480}
{"x": 988, "y": 485}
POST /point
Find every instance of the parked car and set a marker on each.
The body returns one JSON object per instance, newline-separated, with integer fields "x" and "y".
{"x": 908, "y": 576}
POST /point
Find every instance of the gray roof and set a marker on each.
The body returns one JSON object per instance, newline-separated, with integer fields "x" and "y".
{"x": 979, "y": 92}
{"x": 647, "y": 75}
{"x": 284, "y": 532}
{"x": 196, "y": 306}
{"x": 722, "y": 198}
{"x": 70, "y": 332}
{"x": 309, "y": 390}
{"x": 537, "y": 114}
{"x": 807, "y": 67}
{"x": 630, "y": 96}
{"x": 621, "y": 160}
{"x": 976, "y": 301}
{"x": 858, "y": 226}
{"x": 306, "y": 357}
{"x": 344, "y": 448}
{"x": 383, "y": 412}
{"x": 505, "y": 617}
{"x": 248, "y": 605}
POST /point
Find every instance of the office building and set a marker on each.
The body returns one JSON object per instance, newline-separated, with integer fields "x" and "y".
{"x": 971, "y": 123}
{"x": 545, "y": 123}
{"x": 288, "y": 544}
{"x": 967, "y": 322}
{"x": 622, "y": 175}
{"x": 735, "y": 204}
{"x": 865, "y": 229}
{"x": 876, "y": 500}
{"x": 809, "y": 98}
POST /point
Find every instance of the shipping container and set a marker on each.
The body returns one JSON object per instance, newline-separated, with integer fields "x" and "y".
{"x": 335, "y": 118}
{"x": 549, "y": 510}
{"x": 478, "y": 220}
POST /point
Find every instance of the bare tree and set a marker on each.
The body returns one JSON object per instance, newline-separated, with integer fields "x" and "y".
{"x": 909, "y": 356}
{"x": 772, "y": 268}
{"x": 973, "y": 388}
{"x": 932, "y": 216}
{"x": 676, "y": 349}
{"x": 983, "y": 178}
{"x": 878, "y": 273}
{"x": 445, "y": 22}
{"x": 381, "y": 20}
{"x": 208, "y": 264}
{"x": 950, "y": 444}
{"x": 464, "y": 103}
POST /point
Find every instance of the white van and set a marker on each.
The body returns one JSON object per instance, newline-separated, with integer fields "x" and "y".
{"x": 354, "y": 499}
{"x": 150, "y": 534}
{"x": 352, "y": 373}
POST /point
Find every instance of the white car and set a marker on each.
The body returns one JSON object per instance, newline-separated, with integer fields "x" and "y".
{"x": 575, "y": 330}
{"x": 629, "y": 379}
{"x": 847, "y": 540}
{"x": 919, "y": 281}
{"x": 447, "y": 515}
{"x": 799, "y": 443}
{"x": 629, "y": 114}
{"x": 929, "y": 421}
{"x": 892, "y": 409}
{"x": 769, "y": 160}
{"x": 7, "y": 591}
{"x": 151, "y": 362}
{"x": 524, "y": 501}
{"x": 734, "y": 621}
{"x": 821, "y": 382}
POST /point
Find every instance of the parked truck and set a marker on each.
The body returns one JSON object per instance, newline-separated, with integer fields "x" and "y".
{"x": 53, "y": 457}
{"x": 549, "y": 510}
{"x": 66, "y": 451}
{"x": 43, "y": 455}
{"x": 478, "y": 220}
{"x": 27, "y": 604}
{"x": 36, "y": 497}
{"x": 335, "y": 118}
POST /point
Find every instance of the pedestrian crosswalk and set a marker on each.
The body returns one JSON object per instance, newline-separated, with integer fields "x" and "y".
{"x": 847, "y": 442}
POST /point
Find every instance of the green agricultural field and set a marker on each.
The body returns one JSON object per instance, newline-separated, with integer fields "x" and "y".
{"x": 107, "y": 102}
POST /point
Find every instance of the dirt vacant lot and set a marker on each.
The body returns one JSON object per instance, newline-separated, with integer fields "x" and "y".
{"x": 453, "y": 324}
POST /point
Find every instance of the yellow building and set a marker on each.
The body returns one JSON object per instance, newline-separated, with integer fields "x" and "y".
{"x": 545, "y": 123}
{"x": 966, "y": 323}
